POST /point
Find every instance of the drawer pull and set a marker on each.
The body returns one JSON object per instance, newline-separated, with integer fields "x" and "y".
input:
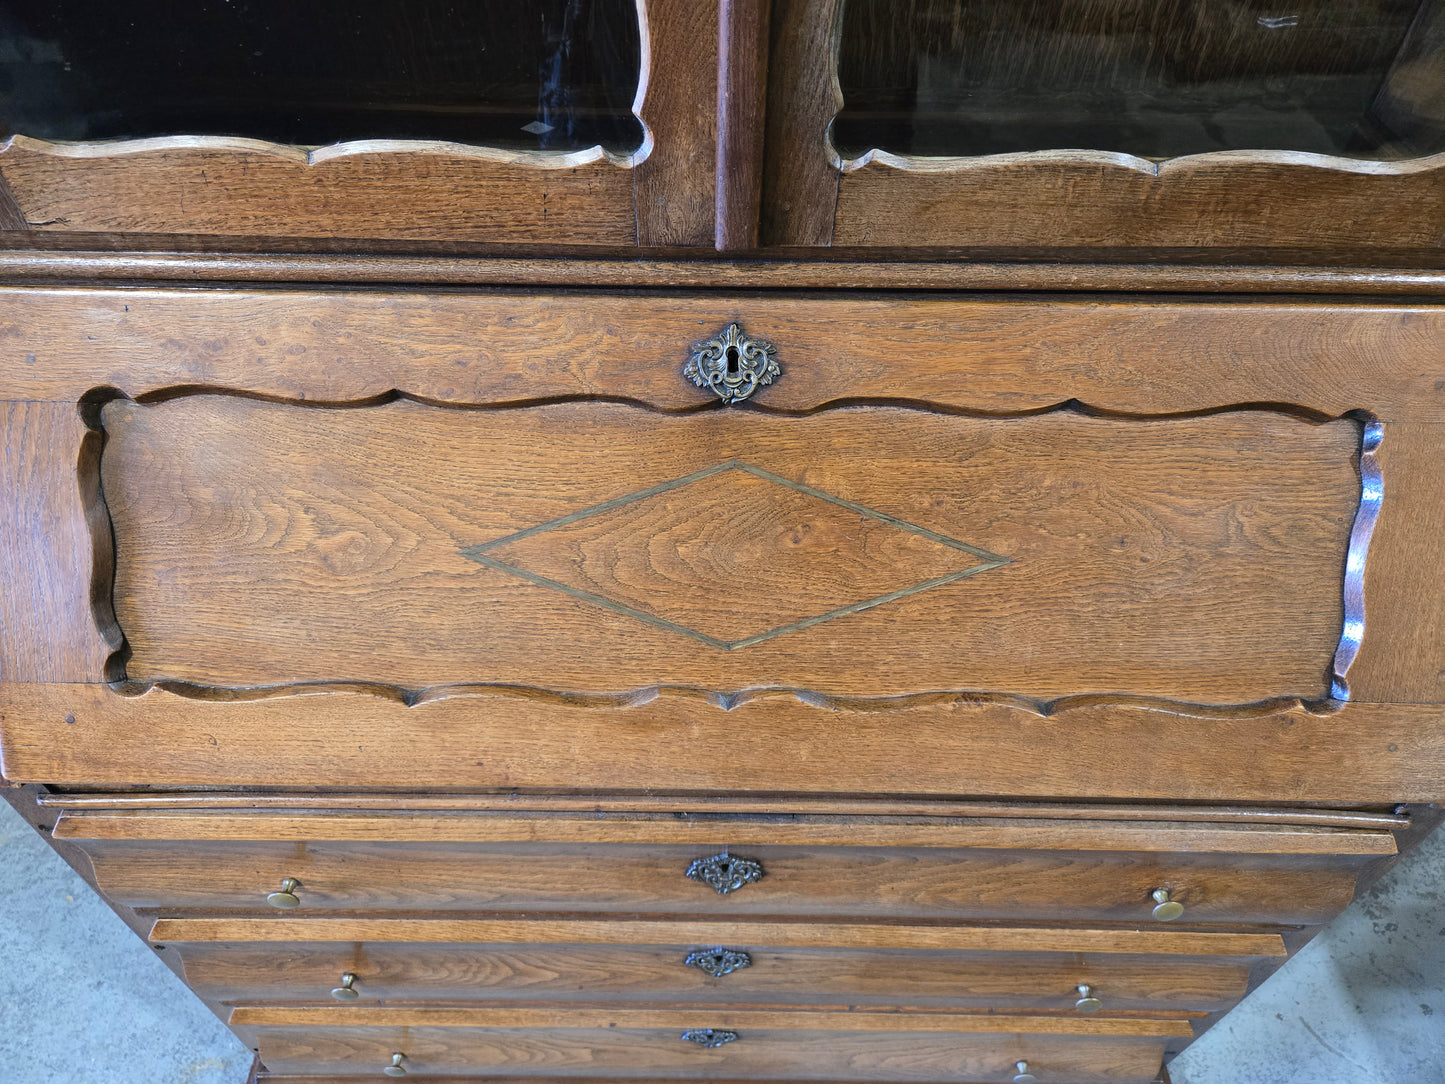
{"x": 1165, "y": 909}
{"x": 1023, "y": 1076}
{"x": 719, "y": 961}
{"x": 1087, "y": 1001}
{"x": 286, "y": 899}
{"x": 710, "y": 1038}
{"x": 347, "y": 991}
{"x": 395, "y": 1068}
{"x": 724, "y": 872}
{"x": 732, "y": 365}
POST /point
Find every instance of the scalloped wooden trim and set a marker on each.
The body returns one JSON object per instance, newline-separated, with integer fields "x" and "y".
{"x": 1160, "y": 167}
{"x": 87, "y": 735}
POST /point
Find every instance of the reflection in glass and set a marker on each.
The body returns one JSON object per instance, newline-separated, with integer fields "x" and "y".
{"x": 527, "y": 74}
{"x": 1154, "y": 78}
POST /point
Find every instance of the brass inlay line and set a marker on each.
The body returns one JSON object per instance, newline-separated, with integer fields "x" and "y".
{"x": 479, "y": 554}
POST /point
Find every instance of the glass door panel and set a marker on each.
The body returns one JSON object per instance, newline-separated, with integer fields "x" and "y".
{"x": 1152, "y": 78}
{"x": 553, "y": 75}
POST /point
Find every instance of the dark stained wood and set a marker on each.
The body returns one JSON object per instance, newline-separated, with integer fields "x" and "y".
{"x": 50, "y": 632}
{"x": 399, "y": 190}
{"x": 1004, "y": 981}
{"x": 994, "y": 356}
{"x": 1402, "y": 656}
{"x": 1363, "y": 753}
{"x": 742, "y": 101}
{"x": 1072, "y": 198}
{"x": 800, "y": 173}
{"x": 1119, "y": 1052}
{"x": 974, "y": 271}
{"x": 11, "y": 216}
{"x": 676, "y": 180}
{"x": 1227, "y": 596}
{"x": 816, "y": 883}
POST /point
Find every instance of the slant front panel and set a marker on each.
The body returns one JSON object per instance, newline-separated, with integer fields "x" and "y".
{"x": 597, "y": 549}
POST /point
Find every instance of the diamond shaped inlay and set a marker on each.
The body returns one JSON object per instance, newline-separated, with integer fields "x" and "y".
{"x": 733, "y": 555}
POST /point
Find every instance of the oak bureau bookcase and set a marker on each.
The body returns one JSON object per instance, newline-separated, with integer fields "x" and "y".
{"x": 660, "y": 540}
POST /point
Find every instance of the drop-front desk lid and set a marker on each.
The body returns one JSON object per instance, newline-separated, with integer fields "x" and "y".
{"x": 870, "y": 545}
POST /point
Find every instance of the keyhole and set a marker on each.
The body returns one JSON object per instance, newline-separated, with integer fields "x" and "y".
{"x": 732, "y": 361}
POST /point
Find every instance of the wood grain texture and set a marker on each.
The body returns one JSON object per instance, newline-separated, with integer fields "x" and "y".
{"x": 995, "y": 356}
{"x": 800, "y": 178}
{"x": 1363, "y": 753}
{"x": 719, "y": 831}
{"x": 676, "y": 182}
{"x": 677, "y": 1019}
{"x": 306, "y": 972}
{"x": 1403, "y": 653}
{"x": 661, "y": 802}
{"x": 1124, "y": 1052}
{"x": 11, "y": 216}
{"x": 744, "y": 27}
{"x": 819, "y": 883}
{"x": 983, "y": 270}
{"x": 1192, "y": 559}
{"x": 378, "y": 189}
{"x": 1070, "y": 198}
{"x": 631, "y": 933}
{"x": 48, "y": 629}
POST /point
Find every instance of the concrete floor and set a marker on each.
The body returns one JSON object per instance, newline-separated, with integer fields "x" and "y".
{"x": 83, "y": 1001}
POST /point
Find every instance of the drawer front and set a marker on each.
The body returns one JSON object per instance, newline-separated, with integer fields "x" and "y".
{"x": 714, "y": 963}
{"x": 657, "y": 1047}
{"x": 899, "y": 883}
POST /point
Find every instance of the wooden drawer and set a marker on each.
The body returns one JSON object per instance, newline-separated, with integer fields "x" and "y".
{"x": 832, "y": 867}
{"x": 628, "y": 1044}
{"x": 729, "y": 963}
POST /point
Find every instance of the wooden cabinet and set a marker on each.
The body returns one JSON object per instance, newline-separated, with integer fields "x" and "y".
{"x": 474, "y": 630}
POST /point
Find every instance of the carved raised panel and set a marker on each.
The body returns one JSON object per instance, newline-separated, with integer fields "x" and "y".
{"x": 1189, "y": 559}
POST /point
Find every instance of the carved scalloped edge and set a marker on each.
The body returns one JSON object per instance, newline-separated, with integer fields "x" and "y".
{"x": 315, "y": 156}
{"x": 636, "y": 698}
{"x": 1352, "y": 632}
{"x": 1187, "y": 163}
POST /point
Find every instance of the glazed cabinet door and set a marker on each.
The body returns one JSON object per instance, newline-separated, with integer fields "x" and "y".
{"x": 1107, "y": 123}
{"x": 550, "y": 122}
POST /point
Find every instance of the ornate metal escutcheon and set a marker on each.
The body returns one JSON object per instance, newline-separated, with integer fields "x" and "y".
{"x": 733, "y": 365}
{"x": 725, "y": 872}
{"x": 711, "y": 1038}
{"x": 719, "y": 961}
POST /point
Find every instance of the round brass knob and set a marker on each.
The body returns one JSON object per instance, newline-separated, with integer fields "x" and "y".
{"x": 1087, "y": 1001}
{"x": 1165, "y": 909}
{"x": 1024, "y": 1076}
{"x": 395, "y": 1069}
{"x": 286, "y": 899}
{"x": 346, "y": 992}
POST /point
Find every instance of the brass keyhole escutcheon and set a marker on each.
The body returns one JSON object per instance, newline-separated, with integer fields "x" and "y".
{"x": 733, "y": 366}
